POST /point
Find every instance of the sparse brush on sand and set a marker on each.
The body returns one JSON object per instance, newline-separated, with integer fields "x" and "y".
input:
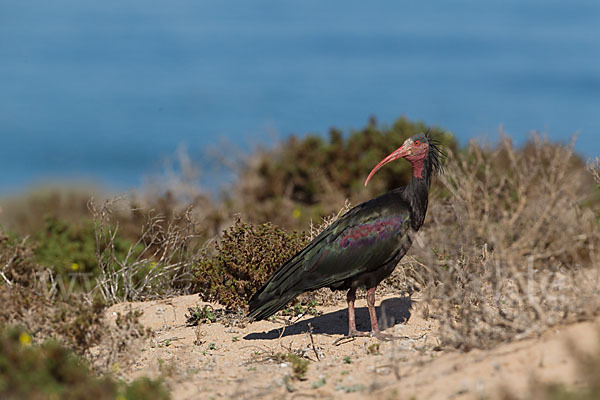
{"x": 509, "y": 249}
{"x": 512, "y": 246}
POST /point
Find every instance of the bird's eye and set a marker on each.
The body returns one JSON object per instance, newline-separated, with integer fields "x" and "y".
{"x": 417, "y": 142}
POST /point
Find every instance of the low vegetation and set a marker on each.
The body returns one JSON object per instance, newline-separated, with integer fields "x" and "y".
{"x": 159, "y": 263}
{"x": 243, "y": 260}
{"x": 510, "y": 246}
{"x": 50, "y": 370}
{"x": 304, "y": 180}
{"x": 31, "y": 298}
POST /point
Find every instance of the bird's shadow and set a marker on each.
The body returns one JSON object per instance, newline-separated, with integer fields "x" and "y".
{"x": 389, "y": 313}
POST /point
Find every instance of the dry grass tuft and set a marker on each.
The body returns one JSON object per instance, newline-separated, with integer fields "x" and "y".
{"x": 160, "y": 263}
{"x": 30, "y": 301}
{"x": 508, "y": 249}
{"x": 48, "y": 308}
{"x": 594, "y": 168}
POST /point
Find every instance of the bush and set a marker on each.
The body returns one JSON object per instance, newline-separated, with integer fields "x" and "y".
{"x": 49, "y": 370}
{"x": 18, "y": 266}
{"x": 44, "y": 306}
{"x": 26, "y": 214}
{"x": 508, "y": 228}
{"x": 515, "y": 244}
{"x": 31, "y": 301}
{"x": 160, "y": 263}
{"x": 243, "y": 259}
{"x": 67, "y": 248}
{"x": 306, "y": 179}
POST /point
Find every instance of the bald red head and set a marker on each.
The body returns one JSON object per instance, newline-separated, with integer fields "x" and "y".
{"x": 413, "y": 149}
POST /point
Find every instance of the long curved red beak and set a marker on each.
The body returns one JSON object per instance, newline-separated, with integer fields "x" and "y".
{"x": 402, "y": 151}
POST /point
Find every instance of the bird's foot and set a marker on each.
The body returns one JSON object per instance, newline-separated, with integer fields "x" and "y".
{"x": 350, "y": 336}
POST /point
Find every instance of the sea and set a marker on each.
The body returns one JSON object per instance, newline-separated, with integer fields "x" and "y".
{"x": 111, "y": 92}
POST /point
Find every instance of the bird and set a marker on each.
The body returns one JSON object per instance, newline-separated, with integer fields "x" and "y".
{"x": 362, "y": 247}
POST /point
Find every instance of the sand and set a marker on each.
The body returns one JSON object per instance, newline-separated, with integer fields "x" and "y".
{"x": 217, "y": 361}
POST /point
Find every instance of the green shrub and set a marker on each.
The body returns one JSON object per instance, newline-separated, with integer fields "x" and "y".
{"x": 67, "y": 248}
{"x": 49, "y": 370}
{"x": 26, "y": 213}
{"x": 27, "y": 300}
{"x": 308, "y": 178}
{"x": 299, "y": 364}
{"x": 310, "y": 308}
{"x": 197, "y": 315}
{"x": 243, "y": 259}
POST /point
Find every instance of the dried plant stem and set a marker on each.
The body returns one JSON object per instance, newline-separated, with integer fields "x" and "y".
{"x": 159, "y": 263}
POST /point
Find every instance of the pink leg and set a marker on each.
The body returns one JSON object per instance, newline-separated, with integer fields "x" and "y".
{"x": 373, "y": 315}
{"x": 351, "y": 297}
{"x": 352, "y": 331}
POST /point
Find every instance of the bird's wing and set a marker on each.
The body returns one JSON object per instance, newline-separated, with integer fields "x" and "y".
{"x": 363, "y": 240}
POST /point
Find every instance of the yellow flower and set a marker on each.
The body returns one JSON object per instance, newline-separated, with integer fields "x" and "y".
{"x": 296, "y": 213}
{"x": 116, "y": 367}
{"x": 75, "y": 267}
{"x": 25, "y": 339}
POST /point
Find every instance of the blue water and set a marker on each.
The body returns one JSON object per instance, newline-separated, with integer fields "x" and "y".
{"x": 105, "y": 91}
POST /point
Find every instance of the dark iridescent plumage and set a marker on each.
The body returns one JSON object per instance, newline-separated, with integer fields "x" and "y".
{"x": 361, "y": 248}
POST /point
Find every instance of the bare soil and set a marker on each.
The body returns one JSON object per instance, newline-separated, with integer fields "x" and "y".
{"x": 217, "y": 361}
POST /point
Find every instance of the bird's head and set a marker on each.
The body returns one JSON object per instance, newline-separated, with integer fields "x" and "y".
{"x": 416, "y": 149}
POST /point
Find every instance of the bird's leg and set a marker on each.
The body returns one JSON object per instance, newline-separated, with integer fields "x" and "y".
{"x": 373, "y": 315}
{"x": 352, "y": 331}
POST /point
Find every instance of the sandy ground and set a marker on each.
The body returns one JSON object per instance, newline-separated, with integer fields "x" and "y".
{"x": 220, "y": 362}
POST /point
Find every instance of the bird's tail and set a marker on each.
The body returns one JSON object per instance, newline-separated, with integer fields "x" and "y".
{"x": 281, "y": 288}
{"x": 263, "y": 305}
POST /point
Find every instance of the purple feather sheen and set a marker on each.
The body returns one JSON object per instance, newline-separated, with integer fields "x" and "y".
{"x": 369, "y": 233}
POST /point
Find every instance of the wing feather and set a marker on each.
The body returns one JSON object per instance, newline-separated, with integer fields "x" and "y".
{"x": 363, "y": 240}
